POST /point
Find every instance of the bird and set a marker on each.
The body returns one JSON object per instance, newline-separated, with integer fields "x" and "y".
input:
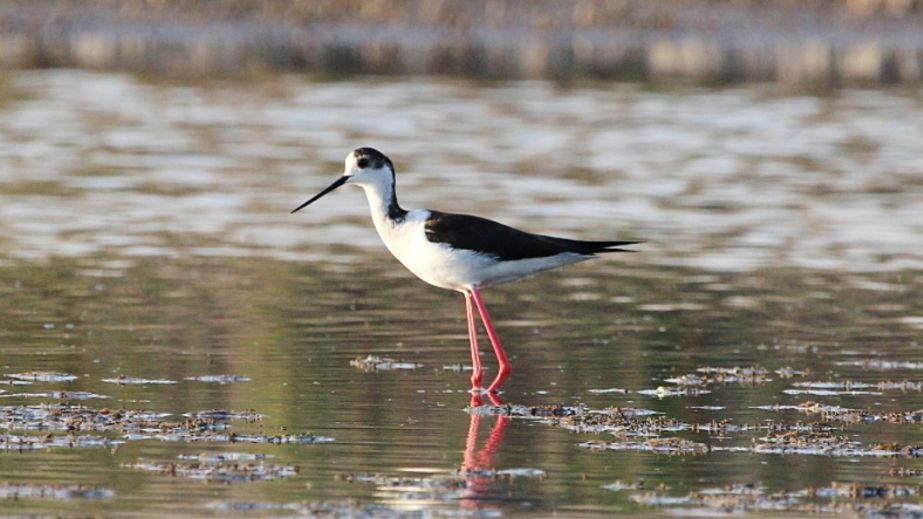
{"x": 457, "y": 251}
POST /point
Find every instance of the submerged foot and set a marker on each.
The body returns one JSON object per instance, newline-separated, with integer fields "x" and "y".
{"x": 502, "y": 375}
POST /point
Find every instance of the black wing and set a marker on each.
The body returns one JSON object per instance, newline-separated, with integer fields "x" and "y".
{"x": 463, "y": 231}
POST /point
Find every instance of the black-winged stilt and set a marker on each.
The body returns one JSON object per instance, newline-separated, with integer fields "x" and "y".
{"x": 458, "y": 251}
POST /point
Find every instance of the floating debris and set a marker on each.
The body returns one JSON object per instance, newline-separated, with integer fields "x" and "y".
{"x": 849, "y": 385}
{"x": 833, "y": 385}
{"x": 43, "y": 376}
{"x": 127, "y": 381}
{"x": 807, "y": 407}
{"x": 672, "y": 445}
{"x": 688, "y": 379}
{"x": 15, "y": 382}
{"x": 834, "y": 413}
{"x": 709, "y": 375}
{"x": 223, "y": 457}
{"x": 441, "y": 481}
{"x": 220, "y": 379}
{"x": 907, "y": 472}
{"x": 59, "y": 395}
{"x": 218, "y": 471}
{"x": 863, "y": 491}
{"x": 57, "y": 492}
{"x": 881, "y": 364}
{"x": 522, "y": 411}
{"x": 293, "y": 439}
{"x": 787, "y": 439}
{"x": 789, "y": 372}
{"x": 841, "y": 498}
{"x": 251, "y": 506}
{"x": 206, "y": 434}
{"x": 618, "y": 486}
{"x": 13, "y": 442}
{"x": 355, "y": 509}
{"x": 220, "y": 415}
{"x": 135, "y": 424}
{"x": 830, "y": 392}
{"x": 624, "y": 424}
{"x": 376, "y": 363}
{"x": 662, "y": 392}
{"x": 620, "y": 425}
{"x": 505, "y": 473}
{"x": 740, "y": 375}
{"x": 625, "y": 421}
{"x": 828, "y": 444}
{"x": 737, "y": 498}
{"x": 70, "y": 417}
{"x": 457, "y": 368}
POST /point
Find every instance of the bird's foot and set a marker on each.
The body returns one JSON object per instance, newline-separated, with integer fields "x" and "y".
{"x": 477, "y": 394}
{"x": 477, "y": 399}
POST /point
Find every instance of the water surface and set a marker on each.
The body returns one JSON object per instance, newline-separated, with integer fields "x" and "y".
{"x": 146, "y": 235}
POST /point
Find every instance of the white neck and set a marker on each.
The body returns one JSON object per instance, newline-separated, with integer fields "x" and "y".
{"x": 382, "y": 202}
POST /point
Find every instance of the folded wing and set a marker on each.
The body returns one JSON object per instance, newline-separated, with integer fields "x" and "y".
{"x": 462, "y": 231}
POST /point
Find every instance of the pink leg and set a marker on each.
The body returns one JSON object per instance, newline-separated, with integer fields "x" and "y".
{"x": 494, "y": 341}
{"x": 473, "y": 339}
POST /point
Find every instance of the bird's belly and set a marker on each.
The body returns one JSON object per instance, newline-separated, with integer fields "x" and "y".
{"x": 443, "y": 267}
{"x": 435, "y": 263}
{"x": 459, "y": 269}
{"x": 456, "y": 269}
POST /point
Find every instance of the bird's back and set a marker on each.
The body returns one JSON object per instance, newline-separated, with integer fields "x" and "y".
{"x": 462, "y": 231}
{"x": 498, "y": 253}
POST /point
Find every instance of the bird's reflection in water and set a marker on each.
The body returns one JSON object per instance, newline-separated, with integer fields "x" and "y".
{"x": 479, "y": 465}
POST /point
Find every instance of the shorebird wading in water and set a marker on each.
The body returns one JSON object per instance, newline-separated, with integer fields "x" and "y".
{"x": 458, "y": 251}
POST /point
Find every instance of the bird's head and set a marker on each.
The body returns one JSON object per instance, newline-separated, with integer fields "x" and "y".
{"x": 364, "y": 167}
{"x": 368, "y": 166}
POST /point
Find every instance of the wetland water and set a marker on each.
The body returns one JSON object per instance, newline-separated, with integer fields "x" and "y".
{"x": 146, "y": 243}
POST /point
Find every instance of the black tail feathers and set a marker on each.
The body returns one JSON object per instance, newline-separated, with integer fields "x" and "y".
{"x": 611, "y": 246}
{"x": 594, "y": 247}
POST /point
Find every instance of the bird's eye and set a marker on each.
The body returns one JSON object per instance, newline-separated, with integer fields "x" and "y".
{"x": 363, "y": 163}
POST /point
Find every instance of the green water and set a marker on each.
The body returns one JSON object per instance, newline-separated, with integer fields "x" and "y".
{"x": 294, "y": 328}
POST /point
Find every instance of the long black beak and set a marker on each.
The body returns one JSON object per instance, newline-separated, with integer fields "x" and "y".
{"x": 337, "y": 183}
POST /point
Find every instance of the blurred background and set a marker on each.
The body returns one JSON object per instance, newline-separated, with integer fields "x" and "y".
{"x": 769, "y": 153}
{"x": 820, "y": 42}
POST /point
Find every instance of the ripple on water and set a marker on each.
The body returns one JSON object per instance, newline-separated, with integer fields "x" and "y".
{"x": 813, "y": 198}
{"x": 43, "y": 376}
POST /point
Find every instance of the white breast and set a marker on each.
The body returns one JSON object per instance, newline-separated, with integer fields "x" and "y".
{"x": 436, "y": 263}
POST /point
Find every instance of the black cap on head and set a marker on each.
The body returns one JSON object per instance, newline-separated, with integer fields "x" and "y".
{"x": 373, "y": 158}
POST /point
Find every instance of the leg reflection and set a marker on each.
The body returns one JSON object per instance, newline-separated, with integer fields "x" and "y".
{"x": 479, "y": 466}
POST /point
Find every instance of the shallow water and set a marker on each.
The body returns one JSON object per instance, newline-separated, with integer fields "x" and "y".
{"x": 145, "y": 235}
